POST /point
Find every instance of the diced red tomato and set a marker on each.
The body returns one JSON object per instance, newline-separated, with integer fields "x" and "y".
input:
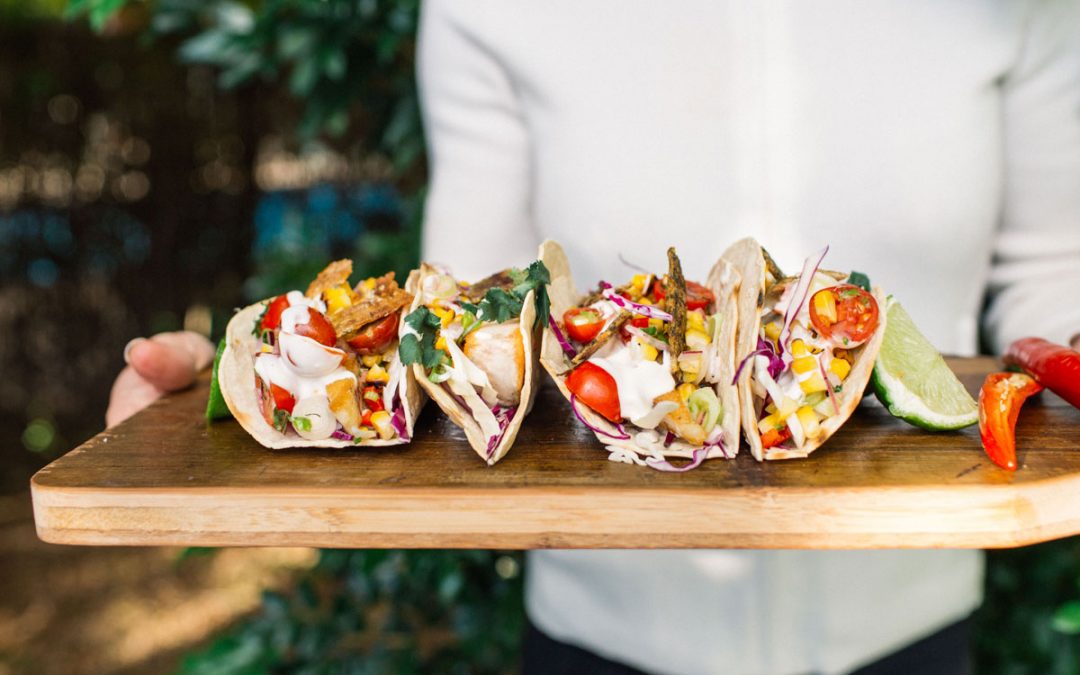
{"x": 283, "y": 400}
{"x": 697, "y": 296}
{"x": 774, "y": 437}
{"x": 856, "y": 315}
{"x": 373, "y": 399}
{"x": 365, "y": 418}
{"x": 318, "y": 329}
{"x": 376, "y": 336}
{"x": 583, "y": 324}
{"x": 271, "y": 319}
{"x": 595, "y": 387}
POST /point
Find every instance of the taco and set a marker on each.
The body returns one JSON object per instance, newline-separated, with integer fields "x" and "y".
{"x": 647, "y": 366}
{"x": 321, "y": 368}
{"x": 472, "y": 347}
{"x": 806, "y": 348}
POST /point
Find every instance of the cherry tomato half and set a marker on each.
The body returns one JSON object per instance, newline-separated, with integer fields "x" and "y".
{"x": 697, "y": 296}
{"x": 845, "y": 314}
{"x": 376, "y": 335}
{"x": 283, "y": 400}
{"x": 318, "y": 329}
{"x": 596, "y": 388}
{"x": 583, "y": 324}
{"x": 271, "y": 319}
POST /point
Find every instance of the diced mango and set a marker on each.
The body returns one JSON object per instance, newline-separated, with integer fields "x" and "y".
{"x": 770, "y": 422}
{"x": 685, "y": 390}
{"x": 696, "y": 339}
{"x": 813, "y": 383}
{"x": 381, "y": 421}
{"x": 337, "y": 299}
{"x": 648, "y": 352}
{"x": 370, "y": 360}
{"x": 441, "y": 343}
{"x": 772, "y": 330}
{"x": 804, "y": 364}
{"x": 840, "y": 368}
{"x": 696, "y": 320}
{"x": 378, "y": 374}
{"x": 637, "y": 283}
{"x": 787, "y": 408}
{"x": 808, "y": 419}
{"x": 825, "y": 307}
{"x": 445, "y": 315}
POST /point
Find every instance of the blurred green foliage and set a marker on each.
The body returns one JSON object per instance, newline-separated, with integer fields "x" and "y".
{"x": 374, "y": 612}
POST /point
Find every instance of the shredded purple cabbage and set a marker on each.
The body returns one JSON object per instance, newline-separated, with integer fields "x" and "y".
{"x": 764, "y": 348}
{"x": 637, "y": 308}
{"x": 503, "y": 415}
{"x": 397, "y": 420}
{"x": 669, "y": 439}
{"x": 592, "y": 427}
{"x": 341, "y": 435}
{"x": 664, "y": 465}
{"x": 567, "y": 348}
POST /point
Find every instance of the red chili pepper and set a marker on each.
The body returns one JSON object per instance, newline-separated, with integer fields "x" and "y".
{"x": 1000, "y": 399}
{"x": 1055, "y": 367}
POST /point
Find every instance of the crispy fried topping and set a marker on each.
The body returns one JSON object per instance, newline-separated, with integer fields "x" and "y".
{"x": 476, "y": 292}
{"x": 600, "y": 340}
{"x": 675, "y": 303}
{"x": 375, "y": 303}
{"x": 335, "y": 274}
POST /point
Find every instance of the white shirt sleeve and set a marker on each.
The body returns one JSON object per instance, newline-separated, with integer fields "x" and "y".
{"x": 477, "y": 214}
{"x": 1035, "y": 281}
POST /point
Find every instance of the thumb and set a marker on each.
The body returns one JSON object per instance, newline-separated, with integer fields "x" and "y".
{"x": 169, "y": 361}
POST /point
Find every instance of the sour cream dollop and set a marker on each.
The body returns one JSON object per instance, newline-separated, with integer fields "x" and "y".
{"x": 638, "y": 381}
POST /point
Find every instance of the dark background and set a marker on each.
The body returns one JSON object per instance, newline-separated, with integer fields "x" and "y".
{"x": 164, "y": 162}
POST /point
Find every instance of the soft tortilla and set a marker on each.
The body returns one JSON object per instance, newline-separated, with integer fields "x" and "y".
{"x": 752, "y": 261}
{"x": 723, "y": 281}
{"x": 236, "y": 376}
{"x": 461, "y": 415}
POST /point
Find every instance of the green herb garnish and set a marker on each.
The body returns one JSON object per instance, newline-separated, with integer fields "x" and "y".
{"x": 281, "y": 420}
{"x": 420, "y": 347}
{"x": 301, "y": 423}
{"x": 859, "y": 279}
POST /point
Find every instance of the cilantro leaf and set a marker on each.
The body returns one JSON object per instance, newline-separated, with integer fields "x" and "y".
{"x": 422, "y": 318}
{"x": 420, "y": 347}
{"x": 859, "y": 279}
{"x": 499, "y": 306}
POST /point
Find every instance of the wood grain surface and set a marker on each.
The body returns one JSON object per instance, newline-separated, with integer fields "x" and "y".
{"x": 165, "y": 477}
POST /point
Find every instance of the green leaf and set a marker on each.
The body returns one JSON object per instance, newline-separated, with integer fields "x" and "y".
{"x": 410, "y": 350}
{"x": 301, "y": 423}
{"x": 305, "y": 75}
{"x": 859, "y": 279}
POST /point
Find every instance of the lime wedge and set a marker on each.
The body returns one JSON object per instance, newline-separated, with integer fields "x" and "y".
{"x": 913, "y": 381}
{"x": 216, "y": 409}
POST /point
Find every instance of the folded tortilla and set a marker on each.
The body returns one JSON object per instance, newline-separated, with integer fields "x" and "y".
{"x": 468, "y": 410}
{"x": 723, "y": 280}
{"x": 759, "y": 273}
{"x": 240, "y": 389}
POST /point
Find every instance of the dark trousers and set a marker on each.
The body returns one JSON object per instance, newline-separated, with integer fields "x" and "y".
{"x": 947, "y": 652}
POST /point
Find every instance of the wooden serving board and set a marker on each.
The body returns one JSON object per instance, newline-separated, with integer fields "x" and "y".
{"x": 165, "y": 477}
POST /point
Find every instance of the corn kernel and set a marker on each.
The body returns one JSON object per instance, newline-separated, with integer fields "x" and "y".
{"x": 656, "y": 323}
{"x": 772, "y": 330}
{"x": 381, "y": 421}
{"x": 798, "y": 348}
{"x": 378, "y": 374}
{"x": 840, "y": 368}
{"x": 370, "y": 360}
{"x": 695, "y": 339}
{"x": 813, "y": 383}
{"x": 337, "y": 299}
{"x": 637, "y": 283}
{"x": 685, "y": 390}
{"x": 804, "y": 364}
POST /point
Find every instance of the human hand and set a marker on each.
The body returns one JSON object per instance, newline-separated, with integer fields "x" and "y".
{"x": 163, "y": 363}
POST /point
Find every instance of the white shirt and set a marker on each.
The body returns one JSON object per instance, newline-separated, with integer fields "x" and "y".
{"x": 934, "y": 145}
